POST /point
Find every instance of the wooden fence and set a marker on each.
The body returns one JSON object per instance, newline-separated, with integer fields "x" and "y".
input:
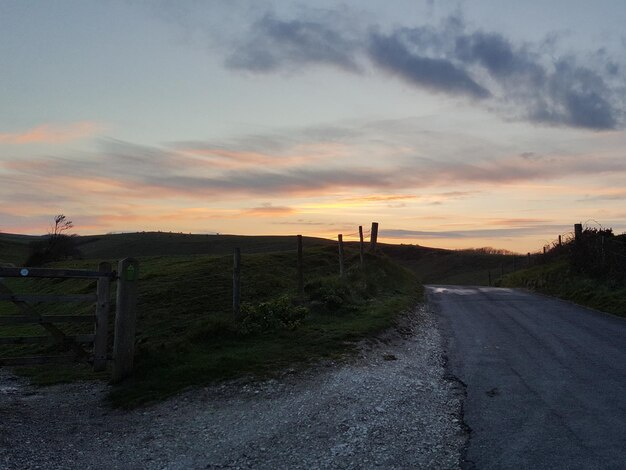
{"x": 73, "y": 346}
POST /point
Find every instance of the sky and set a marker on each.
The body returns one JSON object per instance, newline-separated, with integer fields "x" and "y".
{"x": 452, "y": 124}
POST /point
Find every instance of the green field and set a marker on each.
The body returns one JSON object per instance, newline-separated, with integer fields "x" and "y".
{"x": 186, "y": 334}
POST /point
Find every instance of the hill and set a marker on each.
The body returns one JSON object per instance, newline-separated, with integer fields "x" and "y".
{"x": 465, "y": 267}
{"x": 14, "y": 248}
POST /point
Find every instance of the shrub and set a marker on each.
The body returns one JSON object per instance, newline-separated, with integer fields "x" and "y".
{"x": 276, "y": 314}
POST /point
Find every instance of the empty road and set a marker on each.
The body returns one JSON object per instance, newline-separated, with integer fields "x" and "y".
{"x": 545, "y": 379}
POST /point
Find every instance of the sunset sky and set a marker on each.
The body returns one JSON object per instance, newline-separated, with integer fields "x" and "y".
{"x": 451, "y": 123}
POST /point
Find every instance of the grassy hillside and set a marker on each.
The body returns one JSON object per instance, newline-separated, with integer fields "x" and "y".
{"x": 186, "y": 334}
{"x": 164, "y": 244}
{"x": 465, "y": 267}
{"x": 14, "y": 248}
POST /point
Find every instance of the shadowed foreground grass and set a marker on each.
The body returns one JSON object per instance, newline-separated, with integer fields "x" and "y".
{"x": 186, "y": 335}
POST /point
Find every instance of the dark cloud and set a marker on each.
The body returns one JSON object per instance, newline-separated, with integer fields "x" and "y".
{"x": 389, "y": 53}
{"x": 276, "y": 44}
{"x": 528, "y": 81}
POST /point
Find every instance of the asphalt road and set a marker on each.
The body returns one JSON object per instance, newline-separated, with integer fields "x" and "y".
{"x": 545, "y": 379}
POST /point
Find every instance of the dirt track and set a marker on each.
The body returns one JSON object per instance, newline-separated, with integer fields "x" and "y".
{"x": 390, "y": 407}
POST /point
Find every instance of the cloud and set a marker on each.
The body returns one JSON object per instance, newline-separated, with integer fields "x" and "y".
{"x": 51, "y": 134}
{"x": 437, "y": 74}
{"x": 530, "y": 230}
{"x": 267, "y": 210}
{"x": 278, "y": 44}
{"x": 534, "y": 82}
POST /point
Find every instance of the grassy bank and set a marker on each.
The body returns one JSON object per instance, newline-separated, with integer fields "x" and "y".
{"x": 559, "y": 280}
{"x": 464, "y": 267}
{"x": 186, "y": 335}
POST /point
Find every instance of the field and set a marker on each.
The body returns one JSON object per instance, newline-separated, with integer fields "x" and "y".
{"x": 186, "y": 334}
{"x": 465, "y": 267}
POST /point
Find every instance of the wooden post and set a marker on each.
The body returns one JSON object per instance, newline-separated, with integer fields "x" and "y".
{"x": 300, "y": 268}
{"x": 361, "y": 244}
{"x": 602, "y": 252}
{"x": 340, "y": 238}
{"x": 125, "y": 319}
{"x": 374, "y": 236}
{"x": 529, "y": 259}
{"x": 544, "y": 250}
{"x": 560, "y": 241}
{"x": 102, "y": 318}
{"x": 578, "y": 232}
{"x": 237, "y": 282}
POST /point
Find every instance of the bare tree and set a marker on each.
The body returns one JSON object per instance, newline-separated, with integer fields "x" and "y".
{"x": 61, "y": 224}
{"x": 56, "y": 246}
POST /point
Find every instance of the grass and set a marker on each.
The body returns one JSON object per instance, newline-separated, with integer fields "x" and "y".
{"x": 464, "y": 267}
{"x": 559, "y": 280}
{"x": 186, "y": 335}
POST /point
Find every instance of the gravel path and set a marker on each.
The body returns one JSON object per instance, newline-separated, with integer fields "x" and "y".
{"x": 390, "y": 407}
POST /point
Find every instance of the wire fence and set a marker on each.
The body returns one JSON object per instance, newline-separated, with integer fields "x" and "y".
{"x": 593, "y": 250}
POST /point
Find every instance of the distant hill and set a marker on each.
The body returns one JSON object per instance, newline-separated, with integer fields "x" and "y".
{"x": 14, "y": 247}
{"x": 464, "y": 267}
{"x": 431, "y": 265}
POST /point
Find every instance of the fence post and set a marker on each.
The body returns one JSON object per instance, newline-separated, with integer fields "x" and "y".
{"x": 529, "y": 259}
{"x": 578, "y": 232}
{"x": 361, "y": 244}
{"x": 102, "y": 317}
{"x": 125, "y": 319}
{"x": 340, "y": 239}
{"x": 237, "y": 282}
{"x": 560, "y": 241}
{"x": 374, "y": 236}
{"x": 300, "y": 268}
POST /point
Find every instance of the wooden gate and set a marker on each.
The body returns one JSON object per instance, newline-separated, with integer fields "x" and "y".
{"x": 73, "y": 346}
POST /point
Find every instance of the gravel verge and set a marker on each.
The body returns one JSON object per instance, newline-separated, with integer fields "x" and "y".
{"x": 390, "y": 406}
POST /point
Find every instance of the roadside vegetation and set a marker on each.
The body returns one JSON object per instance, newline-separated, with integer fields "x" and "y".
{"x": 187, "y": 335}
{"x": 591, "y": 272}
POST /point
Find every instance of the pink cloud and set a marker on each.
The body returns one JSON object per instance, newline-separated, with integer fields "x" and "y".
{"x": 51, "y": 134}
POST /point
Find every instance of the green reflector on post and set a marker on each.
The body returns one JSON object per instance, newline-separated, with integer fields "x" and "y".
{"x": 130, "y": 273}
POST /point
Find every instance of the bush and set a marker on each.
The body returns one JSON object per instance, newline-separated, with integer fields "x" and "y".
{"x": 276, "y": 314}
{"x": 330, "y": 294}
{"x": 52, "y": 248}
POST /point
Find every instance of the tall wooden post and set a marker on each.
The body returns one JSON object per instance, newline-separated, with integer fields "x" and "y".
{"x": 237, "y": 282}
{"x": 300, "y": 268}
{"x": 340, "y": 239}
{"x": 361, "y": 244}
{"x": 560, "y": 241}
{"x": 528, "y": 259}
{"x": 125, "y": 319}
{"x": 102, "y": 318}
{"x": 374, "y": 236}
{"x": 578, "y": 232}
